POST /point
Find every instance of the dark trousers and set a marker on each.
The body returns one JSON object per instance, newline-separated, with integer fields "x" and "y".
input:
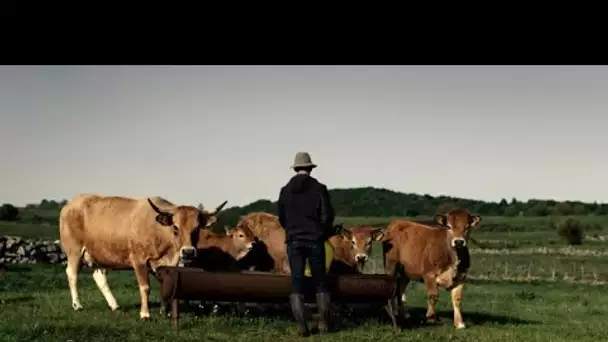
{"x": 298, "y": 252}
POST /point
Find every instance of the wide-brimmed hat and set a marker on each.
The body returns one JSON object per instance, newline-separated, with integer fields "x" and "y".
{"x": 302, "y": 159}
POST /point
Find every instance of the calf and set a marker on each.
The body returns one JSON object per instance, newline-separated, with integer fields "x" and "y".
{"x": 435, "y": 255}
{"x": 221, "y": 252}
{"x": 352, "y": 248}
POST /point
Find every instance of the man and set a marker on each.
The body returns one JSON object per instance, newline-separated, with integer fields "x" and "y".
{"x": 307, "y": 215}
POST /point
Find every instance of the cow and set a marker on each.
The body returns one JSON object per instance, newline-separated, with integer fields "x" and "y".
{"x": 113, "y": 232}
{"x": 435, "y": 255}
{"x": 352, "y": 248}
{"x": 222, "y": 252}
{"x": 267, "y": 229}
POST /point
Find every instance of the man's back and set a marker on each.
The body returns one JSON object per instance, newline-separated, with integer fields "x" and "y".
{"x": 305, "y": 209}
{"x": 306, "y": 213}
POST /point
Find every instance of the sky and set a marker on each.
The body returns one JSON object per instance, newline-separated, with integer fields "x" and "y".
{"x": 205, "y": 134}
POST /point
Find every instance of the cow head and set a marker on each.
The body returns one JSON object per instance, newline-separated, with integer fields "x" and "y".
{"x": 360, "y": 239}
{"x": 458, "y": 222}
{"x": 186, "y": 222}
{"x": 242, "y": 240}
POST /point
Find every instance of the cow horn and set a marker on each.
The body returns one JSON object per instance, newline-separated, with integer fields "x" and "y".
{"x": 220, "y": 207}
{"x": 155, "y": 207}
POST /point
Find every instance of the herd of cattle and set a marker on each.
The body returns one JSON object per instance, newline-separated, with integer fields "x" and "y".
{"x": 112, "y": 232}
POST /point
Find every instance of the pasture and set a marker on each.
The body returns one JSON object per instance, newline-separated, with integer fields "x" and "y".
{"x": 526, "y": 284}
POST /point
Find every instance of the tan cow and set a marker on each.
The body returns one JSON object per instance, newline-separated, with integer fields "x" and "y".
{"x": 112, "y": 232}
{"x": 438, "y": 256}
{"x": 352, "y": 248}
{"x": 221, "y": 252}
{"x": 267, "y": 229}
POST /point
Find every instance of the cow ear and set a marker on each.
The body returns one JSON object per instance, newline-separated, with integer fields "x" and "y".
{"x": 211, "y": 220}
{"x": 338, "y": 228}
{"x": 474, "y": 221}
{"x": 441, "y": 219}
{"x": 165, "y": 219}
{"x": 346, "y": 233}
{"x": 378, "y": 235}
{"x": 228, "y": 230}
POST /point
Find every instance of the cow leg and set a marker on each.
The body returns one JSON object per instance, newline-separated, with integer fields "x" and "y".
{"x": 402, "y": 307}
{"x": 456, "y": 293}
{"x": 71, "y": 272}
{"x": 433, "y": 295}
{"x": 141, "y": 273}
{"x": 100, "y": 275}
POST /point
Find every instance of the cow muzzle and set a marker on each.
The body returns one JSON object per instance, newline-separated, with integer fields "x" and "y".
{"x": 459, "y": 242}
{"x": 361, "y": 259}
{"x": 187, "y": 253}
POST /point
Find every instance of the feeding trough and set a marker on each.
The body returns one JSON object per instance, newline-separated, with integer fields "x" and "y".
{"x": 189, "y": 283}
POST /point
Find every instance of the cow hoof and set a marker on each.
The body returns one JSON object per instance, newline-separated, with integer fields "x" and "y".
{"x": 144, "y": 316}
{"x": 460, "y": 326}
{"x": 76, "y": 306}
{"x": 432, "y": 320}
{"x": 113, "y": 309}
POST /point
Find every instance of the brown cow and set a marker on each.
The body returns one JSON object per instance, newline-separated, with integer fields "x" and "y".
{"x": 436, "y": 255}
{"x": 352, "y": 248}
{"x": 221, "y": 252}
{"x": 112, "y": 232}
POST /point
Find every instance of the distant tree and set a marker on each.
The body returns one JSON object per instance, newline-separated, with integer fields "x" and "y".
{"x": 572, "y": 230}
{"x": 579, "y": 209}
{"x": 370, "y": 201}
{"x": 562, "y": 208}
{"x": 539, "y": 208}
{"x": 8, "y": 212}
{"x": 510, "y": 211}
{"x": 444, "y": 208}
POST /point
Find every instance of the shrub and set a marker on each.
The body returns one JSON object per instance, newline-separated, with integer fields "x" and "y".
{"x": 8, "y": 212}
{"x": 572, "y": 230}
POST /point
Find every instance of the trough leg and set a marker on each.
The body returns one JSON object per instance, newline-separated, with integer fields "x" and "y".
{"x": 391, "y": 312}
{"x": 400, "y": 301}
{"x": 175, "y": 313}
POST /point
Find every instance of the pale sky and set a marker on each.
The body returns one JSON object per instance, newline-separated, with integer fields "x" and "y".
{"x": 211, "y": 133}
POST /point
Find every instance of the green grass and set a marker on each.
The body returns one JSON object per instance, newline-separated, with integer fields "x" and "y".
{"x": 29, "y": 230}
{"x": 544, "y": 305}
{"x": 36, "y": 307}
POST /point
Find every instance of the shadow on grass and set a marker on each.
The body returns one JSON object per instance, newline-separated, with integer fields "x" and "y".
{"x": 348, "y": 316}
{"x": 418, "y": 316}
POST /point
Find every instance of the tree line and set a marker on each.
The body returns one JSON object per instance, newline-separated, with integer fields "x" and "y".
{"x": 364, "y": 201}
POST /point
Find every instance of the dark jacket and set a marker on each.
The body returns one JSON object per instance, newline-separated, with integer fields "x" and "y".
{"x": 305, "y": 210}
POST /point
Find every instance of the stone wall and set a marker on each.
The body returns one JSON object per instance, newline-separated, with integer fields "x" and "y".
{"x": 17, "y": 250}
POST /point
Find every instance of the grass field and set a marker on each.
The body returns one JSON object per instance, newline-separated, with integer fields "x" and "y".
{"x": 526, "y": 285}
{"x": 36, "y": 307}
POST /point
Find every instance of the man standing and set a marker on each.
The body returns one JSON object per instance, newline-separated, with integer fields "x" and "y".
{"x": 307, "y": 215}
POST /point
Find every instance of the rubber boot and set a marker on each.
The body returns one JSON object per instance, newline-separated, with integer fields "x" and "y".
{"x": 323, "y": 304}
{"x": 299, "y": 313}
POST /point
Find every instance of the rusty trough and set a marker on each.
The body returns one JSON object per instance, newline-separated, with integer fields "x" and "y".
{"x": 190, "y": 283}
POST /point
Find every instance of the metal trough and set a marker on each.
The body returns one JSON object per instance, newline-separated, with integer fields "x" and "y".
{"x": 189, "y": 283}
